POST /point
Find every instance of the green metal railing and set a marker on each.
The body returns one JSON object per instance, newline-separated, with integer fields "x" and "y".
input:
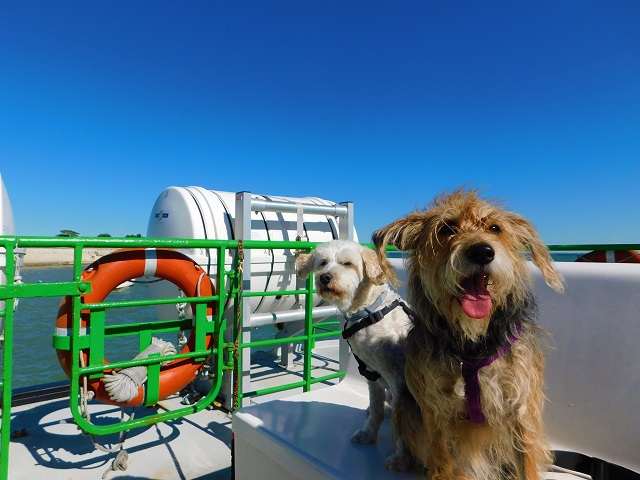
{"x": 227, "y": 356}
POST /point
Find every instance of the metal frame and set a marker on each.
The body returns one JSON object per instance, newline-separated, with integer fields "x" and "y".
{"x": 246, "y": 203}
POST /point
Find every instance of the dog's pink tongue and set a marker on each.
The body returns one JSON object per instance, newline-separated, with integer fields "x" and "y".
{"x": 475, "y": 298}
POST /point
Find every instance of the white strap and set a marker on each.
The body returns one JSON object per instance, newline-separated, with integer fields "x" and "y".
{"x": 300, "y": 222}
{"x": 150, "y": 262}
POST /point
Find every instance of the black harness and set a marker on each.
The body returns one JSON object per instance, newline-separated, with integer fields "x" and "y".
{"x": 367, "y": 317}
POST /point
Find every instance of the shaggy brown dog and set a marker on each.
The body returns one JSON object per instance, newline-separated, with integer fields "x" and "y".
{"x": 473, "y": 363}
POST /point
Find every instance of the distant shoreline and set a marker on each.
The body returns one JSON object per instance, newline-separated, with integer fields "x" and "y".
{"x": 54, "y": 257}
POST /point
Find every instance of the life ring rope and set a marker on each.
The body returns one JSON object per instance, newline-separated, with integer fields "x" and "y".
{"x": 105, "y": 275}
{"x": 123, "y": 386}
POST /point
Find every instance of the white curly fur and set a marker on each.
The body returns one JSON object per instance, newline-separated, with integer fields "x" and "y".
{"x": 350, "y": 276}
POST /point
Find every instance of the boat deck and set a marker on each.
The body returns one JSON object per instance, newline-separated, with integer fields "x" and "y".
{"x": 47, "y": 444}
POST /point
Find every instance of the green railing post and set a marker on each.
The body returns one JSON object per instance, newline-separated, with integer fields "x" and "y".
{"x": 237, "y": 328}
{"x": 7, "y": 365}
{"x": 308, "y": 330}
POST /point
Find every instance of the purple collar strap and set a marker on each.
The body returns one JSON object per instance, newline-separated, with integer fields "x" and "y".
{"x": 470, "y": 370}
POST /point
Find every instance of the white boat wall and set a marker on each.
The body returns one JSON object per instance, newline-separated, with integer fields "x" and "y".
{"x": 6, "y": 212}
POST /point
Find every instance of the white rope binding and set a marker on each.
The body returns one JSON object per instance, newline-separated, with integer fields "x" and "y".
{"x": 123, "y": 386}
{"x": 181, "y": 307}
{"x": 17, "y": 279}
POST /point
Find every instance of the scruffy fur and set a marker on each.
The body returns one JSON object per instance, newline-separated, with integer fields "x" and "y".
{"x": 470, "y": 286}
{"x": 351, "y": 277}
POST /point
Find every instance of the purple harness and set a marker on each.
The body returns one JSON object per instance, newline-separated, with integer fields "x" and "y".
{"x": 470, "y": 370}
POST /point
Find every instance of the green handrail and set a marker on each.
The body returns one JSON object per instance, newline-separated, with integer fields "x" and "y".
{"x": 7, "y": 362}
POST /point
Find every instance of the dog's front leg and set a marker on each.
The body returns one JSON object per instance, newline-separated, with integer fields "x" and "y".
{"x": 369, "y": 432}
{"x": 527, "y": 464}
{"x": 533, "y": 455}
{"x": 533, "y": 452}
{"x": 438, "y": 458}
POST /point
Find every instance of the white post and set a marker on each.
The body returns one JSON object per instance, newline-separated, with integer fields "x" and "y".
{"x": 243, "y": 232}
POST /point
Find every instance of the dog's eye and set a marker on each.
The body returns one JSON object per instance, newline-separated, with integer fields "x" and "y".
{"x": 322, "y": 263}
{"x": 495, "y": 229}
{"x": 446, "y": 230}
{"x": 346, "y": 264}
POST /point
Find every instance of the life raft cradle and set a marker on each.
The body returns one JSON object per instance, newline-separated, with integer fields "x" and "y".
{"x": 84, "y": 341}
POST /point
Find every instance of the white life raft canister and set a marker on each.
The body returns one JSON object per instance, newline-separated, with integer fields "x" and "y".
{"x": 195, "y": 212}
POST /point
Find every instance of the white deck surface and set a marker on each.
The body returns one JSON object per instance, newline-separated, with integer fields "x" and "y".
{"x": 191, "y": 448}
{"x": 308, "y": 436}
{"x": 195, "y": 447}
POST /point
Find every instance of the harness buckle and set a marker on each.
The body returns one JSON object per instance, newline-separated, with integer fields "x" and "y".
{"x": 377, "y": 316}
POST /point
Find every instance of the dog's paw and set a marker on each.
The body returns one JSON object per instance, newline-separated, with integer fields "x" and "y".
{"x": 363, "y": 436}
{"x": 398, "y": 462}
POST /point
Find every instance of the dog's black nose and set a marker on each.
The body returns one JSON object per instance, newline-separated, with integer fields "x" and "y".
{"x": 481, "y": 253}
{"x": 325, "y": 278}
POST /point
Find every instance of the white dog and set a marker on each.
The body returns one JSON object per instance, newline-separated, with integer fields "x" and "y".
{"x": 376, "y": 323}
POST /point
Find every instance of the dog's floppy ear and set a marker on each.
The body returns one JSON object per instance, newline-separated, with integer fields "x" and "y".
{"x": 539, "y": 252}
{"x": 404, "y": 234}
{"x": 304, "y": 265}
{"x": 372, "y": 267}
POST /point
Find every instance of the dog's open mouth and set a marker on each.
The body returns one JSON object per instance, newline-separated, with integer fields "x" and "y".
{"x": 475, "y": 299}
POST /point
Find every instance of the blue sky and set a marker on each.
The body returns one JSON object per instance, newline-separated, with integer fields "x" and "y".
{"x": 103, "y": 104}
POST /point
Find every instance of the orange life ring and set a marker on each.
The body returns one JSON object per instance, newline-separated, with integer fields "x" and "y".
{"x": 611, "y": 256}
{"x": 105, "y": 274}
